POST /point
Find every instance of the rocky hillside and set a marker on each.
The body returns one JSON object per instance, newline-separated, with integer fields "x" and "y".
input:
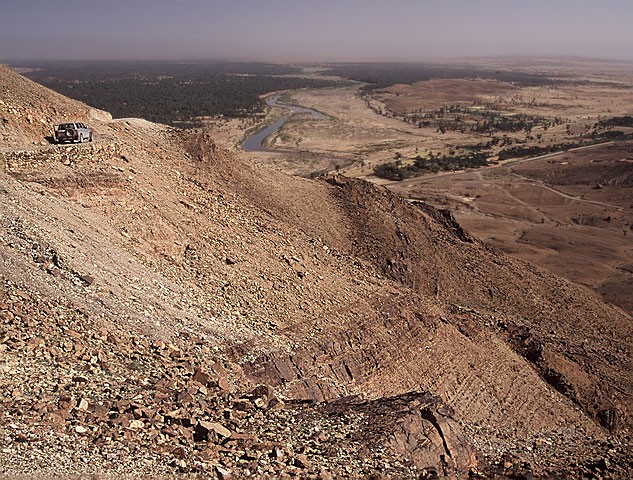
{"x": 28, "y": 112}
{"x": 167, "y": 306}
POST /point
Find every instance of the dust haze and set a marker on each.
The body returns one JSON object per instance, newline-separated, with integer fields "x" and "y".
{"x": 314, "y": 31}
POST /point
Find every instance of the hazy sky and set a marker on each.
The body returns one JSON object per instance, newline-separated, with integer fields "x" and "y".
{"x": 278, "y": 30}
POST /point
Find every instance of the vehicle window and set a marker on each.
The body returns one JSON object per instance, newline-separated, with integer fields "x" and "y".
{"x": 66, "y": 126}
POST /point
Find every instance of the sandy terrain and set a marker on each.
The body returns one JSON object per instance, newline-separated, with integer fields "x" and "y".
{"x": 366, "y": 130}
{"x": 571, "y": 213}
{"x": 524, "y": 210}
{"x": 433, "y": 94}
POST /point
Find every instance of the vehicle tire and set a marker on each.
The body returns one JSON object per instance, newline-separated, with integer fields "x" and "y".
{"x": 90, "y": 138}
{"x": 81, "y": 138}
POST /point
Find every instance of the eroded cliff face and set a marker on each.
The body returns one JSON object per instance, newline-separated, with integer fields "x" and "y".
{"x": 151, "y": 280}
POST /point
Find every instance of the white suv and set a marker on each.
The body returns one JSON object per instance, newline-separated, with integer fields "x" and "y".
{"x": 72, "y": 132}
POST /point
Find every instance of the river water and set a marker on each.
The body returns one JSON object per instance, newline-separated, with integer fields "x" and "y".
{"x": 254, "y": 142}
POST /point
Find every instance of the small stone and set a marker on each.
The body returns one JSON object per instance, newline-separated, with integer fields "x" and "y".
{"x": 223, "y": 384}
{"x": 136, "y": 424}
{"x": 243, "y": 437}
{"x": 87, "y": 279}
{"x": 80, "y": 429}
{"x": 179, "y": 453}
{"x": 83, "y": 405}
{"x": 215, "y": 427}
{"x": 243, "y": 405}
{"x": 223, "y": 474}
{"x": 22, "y": 294}
{"x": 55, "y": 272}
{"x": 201, "y": 377}
{"x": 262, "y": 395}
{"x": 184, "y": 397}
{"x": 36, "y": 342}
{"x": 302, "y": 461}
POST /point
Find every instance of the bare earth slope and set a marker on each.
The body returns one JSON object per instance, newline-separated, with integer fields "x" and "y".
{"x": 151, "y": 280}
{"x": 569, "y": 213}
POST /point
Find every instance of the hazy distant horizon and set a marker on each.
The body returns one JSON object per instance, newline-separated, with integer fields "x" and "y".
{"x": 32, "y": 62}
{"x": 324, "y": 31}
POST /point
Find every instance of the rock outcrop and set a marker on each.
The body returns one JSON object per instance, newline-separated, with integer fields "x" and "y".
{"x": 169, "y": 307}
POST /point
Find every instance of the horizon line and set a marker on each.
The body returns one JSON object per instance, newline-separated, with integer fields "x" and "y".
{"x": 308, "y": 62}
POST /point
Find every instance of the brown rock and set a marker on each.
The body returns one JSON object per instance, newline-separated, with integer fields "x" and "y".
{"x": 223, "y": 384}
{"x": 302, "y": 461}
{"x": 82, "y": 405}
{"x": 262, "y": 395}
{"x": 35, "y": 342}
{"x": 201, "y": 377}
{"x": 179, "y": 453}
{"x": 56, "y": 272}
{"x": 218, "y": 368}
{"x": 65, "y": 402}
{"x": 58, "y": 417}
{"x": 136, "y": 424}
{"x": 223, "y": 473}
{"x": 242, "y": 405}
{"x": 100, "y": 411}
{"x": 184, "y": 398}
{"x": 22, "y": 294}
{"x": 243, "y": 438}
{"x": 608, "y": 418}
{"x": 215, "y": 427}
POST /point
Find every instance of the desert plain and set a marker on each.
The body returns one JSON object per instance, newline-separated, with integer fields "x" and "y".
{"x": 569, "y": 210}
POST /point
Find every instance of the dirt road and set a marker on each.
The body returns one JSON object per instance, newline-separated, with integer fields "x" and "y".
{"x": 504, "y": 163}
{"x": 541, "y": 184}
